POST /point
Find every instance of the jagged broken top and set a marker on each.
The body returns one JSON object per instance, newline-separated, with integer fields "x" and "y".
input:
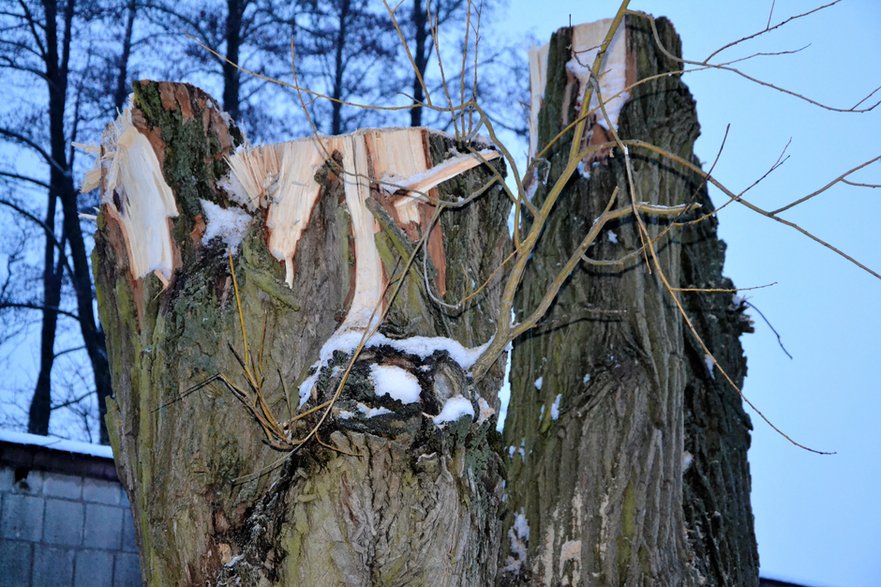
{"x": 613, "y": 78}
{"x": 280, "y": 181}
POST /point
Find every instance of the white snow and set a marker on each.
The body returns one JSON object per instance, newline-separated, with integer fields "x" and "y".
{"x": 708, "y": 361}
{"x": 583, "y": 170}
{"x": 486, "y": 410}
{"x": 396, "y": 383}
{"x": 56, "y": 443}
{"x": 687, "y": 459}
{"x": 421, "y": 346}
{"x": 372, "y": 412}
{"x": 586, "y": 379}
{"x": 305, "y": 390}
{"x": 518, "y": 534}
{"x": 454, "y": 408}
{"x": 541, "y": 413}
{"x": 555, "y": 408}
{"x": 521, "y": 526}
{"x": 613, "y": 238}
{"x": 538, "y": 383}
{"x": 425, "y": 346}
{"x": 228, "y": 224}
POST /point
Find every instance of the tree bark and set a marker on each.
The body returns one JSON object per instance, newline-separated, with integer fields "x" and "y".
{"x": 421, "y": 30}
{"x": 626, "y": 452}
{"x": 382, "y": 495}
{"x": 235, "y": 12}
{"x": 120, "y": 93}
{"x": 339, "y": 69}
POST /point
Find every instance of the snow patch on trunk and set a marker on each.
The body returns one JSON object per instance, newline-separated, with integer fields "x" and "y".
{"x": 228, "y": 224}
{"x": 420, "y": 346}
{"x": 399, "y": 384}
{"x": 453, "y": 409}
{"x": 711, "y": 365}
{"x": 555, "y": 408}
{"x": 518, "y": 535}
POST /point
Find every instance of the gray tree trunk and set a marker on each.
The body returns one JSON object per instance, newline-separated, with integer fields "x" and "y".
{"x": 397, "y": 500}
{"x": 638, "y": 475}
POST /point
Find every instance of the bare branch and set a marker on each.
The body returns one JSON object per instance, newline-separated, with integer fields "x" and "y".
{"x": 25, "y": 178}
{"x": 838, "y": 179}
{"x": 855, "y": 108}
{"x": 768, "y": 28}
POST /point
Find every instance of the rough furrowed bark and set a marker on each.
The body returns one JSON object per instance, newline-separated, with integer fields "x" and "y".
{"x": 626, "y": 453}
{"x": 386, "y": 493}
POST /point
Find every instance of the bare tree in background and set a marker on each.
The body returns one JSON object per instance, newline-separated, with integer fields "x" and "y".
{"x": 41, "y": 46}
{"x": 206, "y": 45}
{"x": 340, "y": 55}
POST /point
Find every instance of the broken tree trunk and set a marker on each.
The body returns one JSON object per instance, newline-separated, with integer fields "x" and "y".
{"x": 627, "y": 449}
{"x": 400, "y": 483}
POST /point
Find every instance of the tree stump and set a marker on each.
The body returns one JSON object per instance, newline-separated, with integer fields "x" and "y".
{"x": 627, "y": 451}
{"x": 203, "y": 242}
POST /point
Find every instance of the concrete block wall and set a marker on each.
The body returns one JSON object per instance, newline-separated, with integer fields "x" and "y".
{"x": 64, "y": 521}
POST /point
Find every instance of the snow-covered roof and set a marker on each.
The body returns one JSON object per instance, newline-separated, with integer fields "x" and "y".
{"x": 56, "y": 443}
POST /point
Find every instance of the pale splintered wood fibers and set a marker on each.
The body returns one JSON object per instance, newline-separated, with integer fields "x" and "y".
{"x": 137, "y": 194}
{"x": 614, "y": 76}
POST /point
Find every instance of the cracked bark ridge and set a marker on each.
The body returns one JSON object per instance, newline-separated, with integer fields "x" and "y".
{"x": 417, "y": 503}
{"x": 642, "y": 477}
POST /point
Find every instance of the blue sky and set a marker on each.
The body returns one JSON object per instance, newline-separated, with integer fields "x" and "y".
{"x": 818, "y": 518}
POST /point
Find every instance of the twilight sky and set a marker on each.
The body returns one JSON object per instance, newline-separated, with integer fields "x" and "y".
{"x": 818, "y": 518}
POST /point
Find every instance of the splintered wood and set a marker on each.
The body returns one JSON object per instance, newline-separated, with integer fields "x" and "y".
{"x": 136, "y": 195}
{"x": 615, "y": 76}
{"x": 391, "y": 166}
